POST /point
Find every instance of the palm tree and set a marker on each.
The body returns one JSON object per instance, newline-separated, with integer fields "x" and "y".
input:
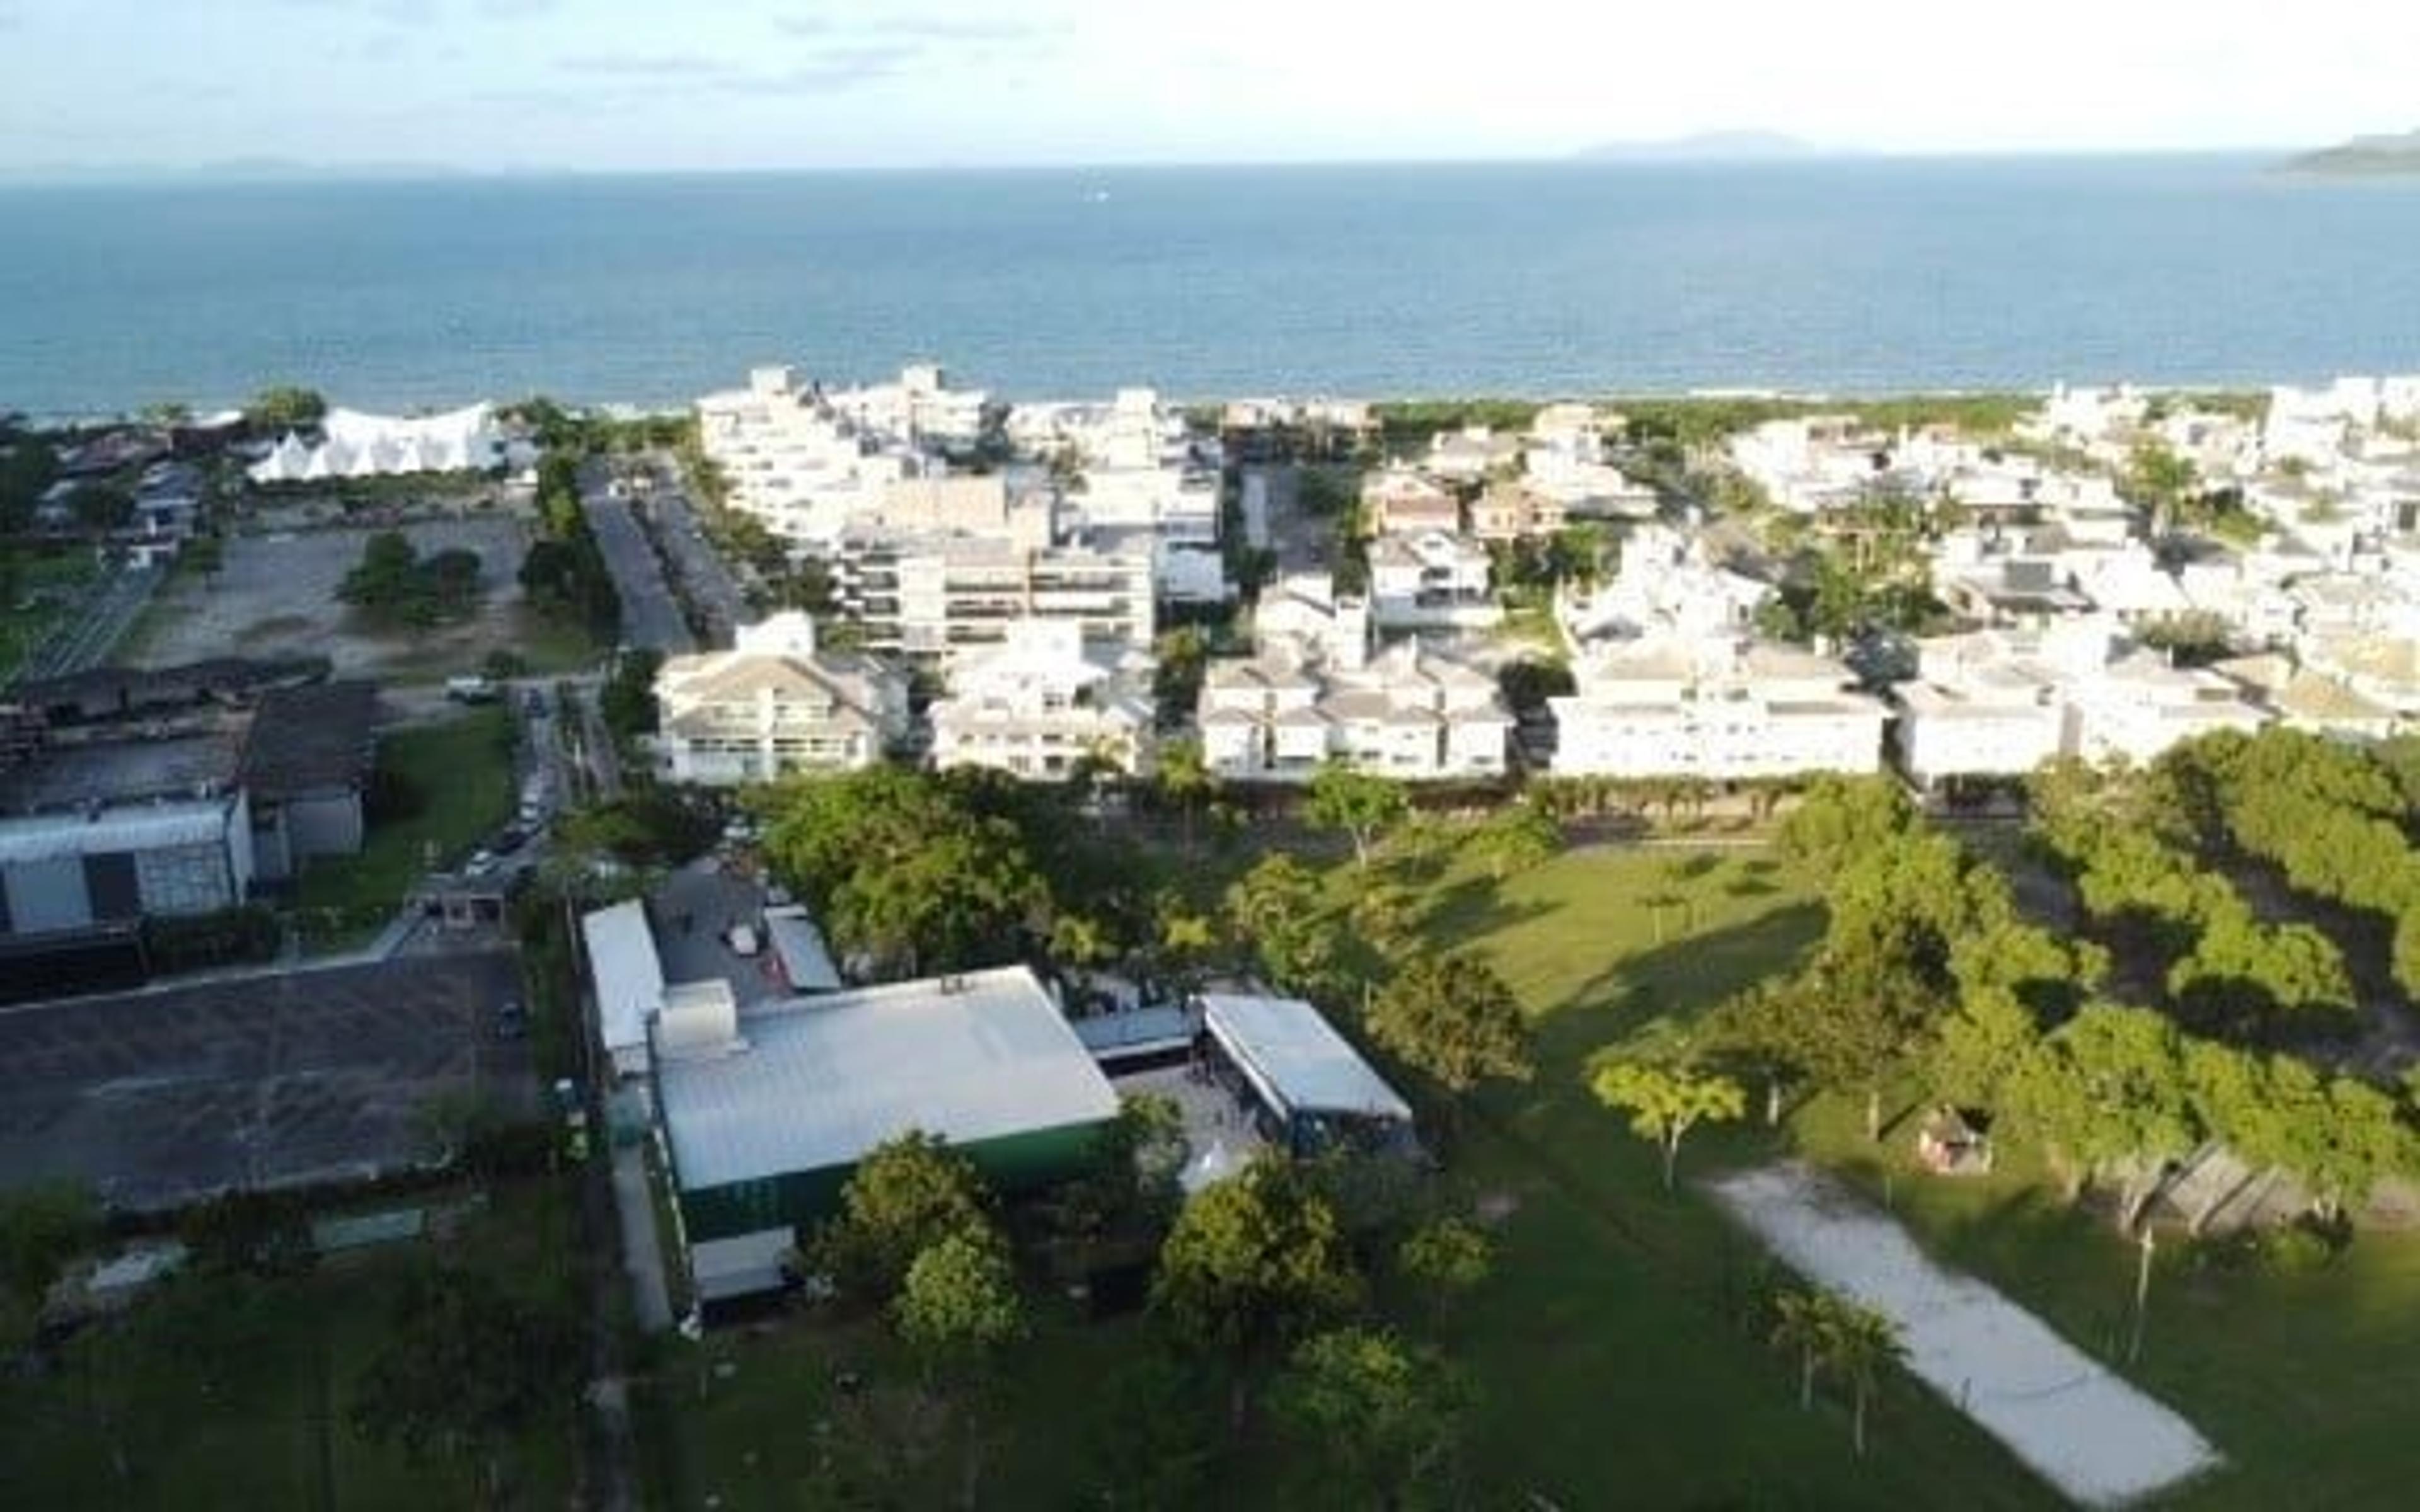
{"x": 1802, "y": 1323}
{"x": 1860, "y": 1342}
{"x": 1186, "y": 779}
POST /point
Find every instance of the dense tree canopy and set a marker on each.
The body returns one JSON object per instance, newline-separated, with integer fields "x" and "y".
{"x": 1254, "y": 1263}
{"x": 1454, "y": 1020}
{"x": 907, "y": 1194}
{"x": 904, "y": 870}
{"x": 1381, "y": 1417}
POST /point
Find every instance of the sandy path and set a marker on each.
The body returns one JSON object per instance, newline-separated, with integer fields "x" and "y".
{"x": 2084, "y": 1431}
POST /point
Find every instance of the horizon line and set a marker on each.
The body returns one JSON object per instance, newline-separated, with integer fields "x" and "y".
{"x": 1666, "y": 154}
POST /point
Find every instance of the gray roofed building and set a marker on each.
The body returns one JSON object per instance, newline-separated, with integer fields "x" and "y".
{"x": 764, "y": 1123}
{"x": 776, "y": 703}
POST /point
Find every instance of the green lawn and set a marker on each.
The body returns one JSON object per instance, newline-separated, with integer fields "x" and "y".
{"x": 458, "y": 777}
{"x": 2303, "y": 1383}
{"x": 246, "y": 1404}
{"x": 1614, "y": 1359}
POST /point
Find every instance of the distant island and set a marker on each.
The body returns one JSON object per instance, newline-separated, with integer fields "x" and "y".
{"x": 1705, "y": 146}
{"x": 2363, "y": 155}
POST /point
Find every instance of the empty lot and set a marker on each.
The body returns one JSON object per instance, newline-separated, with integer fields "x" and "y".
{"x": 276, "y": 596}
{"x": 157, "y": 1098}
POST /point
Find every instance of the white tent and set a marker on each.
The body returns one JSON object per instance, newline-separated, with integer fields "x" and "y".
{"x": 361, "y": 445}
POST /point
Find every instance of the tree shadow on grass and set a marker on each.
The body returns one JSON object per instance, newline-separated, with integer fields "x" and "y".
{"x": 1473, "y": 909}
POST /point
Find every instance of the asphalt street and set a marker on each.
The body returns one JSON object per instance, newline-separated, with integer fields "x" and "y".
{"x": 650, "y": 616}
{"x": 708, "y": 578}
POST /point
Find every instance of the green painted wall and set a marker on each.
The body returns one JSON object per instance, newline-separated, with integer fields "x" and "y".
{"x": 1014, "y": 1165}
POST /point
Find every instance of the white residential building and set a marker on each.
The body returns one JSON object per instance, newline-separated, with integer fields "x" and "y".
{"x": 1432, "y": 580}
{"x": 1470, "y": 454}
{"x": 1304, "y": 608}
{"x": 1666, "y": 586}
{"x": 1515, "y": 511}
{"x": 1407, "y": 713}
{"x": 921, "y": 408}
{"x": 794, "y": 461}
{"x": 1041, "y": 701}
{"x": 2000, "y": 702}
{"x": 928, "y": 595}
{"x": 1716, "y": 708}
{"x": 774, "y": 704}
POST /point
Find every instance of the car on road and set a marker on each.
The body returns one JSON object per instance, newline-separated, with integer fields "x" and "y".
{"x": 512, "y": 1020}
{"x": 481, "y": 861}
{"x": 510, "y": 839}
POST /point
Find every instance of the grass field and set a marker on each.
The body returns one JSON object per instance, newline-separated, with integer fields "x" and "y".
{"x": 240, "y": 1398}
{"x": 462, "y": 776}
{"x": 1615, "y": 1361}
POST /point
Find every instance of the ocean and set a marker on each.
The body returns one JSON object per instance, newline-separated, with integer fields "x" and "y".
{"x": 1840, "y": 276}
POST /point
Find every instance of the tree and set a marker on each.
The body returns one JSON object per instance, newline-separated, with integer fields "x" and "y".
{"x": 627, "y": 703}
{"x": 255, "y": 1233}
{"x": 1802, "y": 1324}
{"x": 1185, "y": 779}
{"x": 2159, "y": 482}
{"x": 467, "y": 1368}
{"x": 906, "y": 1196}
{"x": 1843, "y": 817}
{"x": 1454, "y": 1020}
{"x": 1361, "y": 804}
{"x": 1860, "y": 1343}
{"x": 1665, "y": 1102}
{"x": 1516, "y": 838}
{"x": 1382, "y": 1417}
{"x": 1445, "y": 1258}
{"x": 102, "y": 507}
{"x": 908, "y": 868}
{"x": 1253, "y": 1263}
{"x": 958, "y": 1308}
{"x": 1279, "y": 907}
{"x": 285, "y": 408}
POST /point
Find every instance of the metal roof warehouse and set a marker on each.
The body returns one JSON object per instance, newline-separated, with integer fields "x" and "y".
{"x": 764, "y": 1127}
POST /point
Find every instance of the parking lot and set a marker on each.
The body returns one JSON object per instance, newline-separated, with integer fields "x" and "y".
{"x": 161, "y": 1097}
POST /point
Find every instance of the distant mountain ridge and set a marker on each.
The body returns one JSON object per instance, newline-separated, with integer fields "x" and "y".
{"x": 2390, "y": 154}
{"x": 1705, "y": 146}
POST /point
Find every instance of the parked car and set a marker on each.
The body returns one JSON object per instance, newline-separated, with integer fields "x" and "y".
{"x": 510, "y": 839}
{"x": 481, "y": 861}
{"x": 512, "y": 1020}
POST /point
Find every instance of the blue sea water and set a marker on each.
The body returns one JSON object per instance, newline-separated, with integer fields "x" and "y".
{"x": 1842, "y": 276}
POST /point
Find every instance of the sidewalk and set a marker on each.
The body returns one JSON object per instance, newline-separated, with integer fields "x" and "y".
{"x": 642, "y": 1255}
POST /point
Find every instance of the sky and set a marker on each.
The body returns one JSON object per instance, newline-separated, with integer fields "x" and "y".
{"x": 660, "y": 85}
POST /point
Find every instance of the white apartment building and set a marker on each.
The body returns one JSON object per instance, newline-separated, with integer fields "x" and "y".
{"x": 1471, "y": 455}
{"x": 1718, "y": 707}
{"x": 1432, "y": 580}
{"x": 1666, "y": 586}
{"x": 929, "y": 595}
{"x": 1304, "y": 610}
{"x": 774, "y": 704}
{"x": 920, "y": 408}
{"x": 2000, "y": 702}
{"x": 795, "y": 461}
{"x": 1406, "y": 714}
{"x": 1041, "y": 701}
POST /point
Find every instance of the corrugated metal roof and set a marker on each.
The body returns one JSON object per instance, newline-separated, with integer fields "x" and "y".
{"x": 150, "y": 828}
{"x": 799, "y": 946}
{"x": 629, "y": 977}
{"x": 822, "y": 1080}
{"x": 1298, "y": 1058}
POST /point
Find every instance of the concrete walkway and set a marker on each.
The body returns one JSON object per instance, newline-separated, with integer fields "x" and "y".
{"x": 642, "y": 1255}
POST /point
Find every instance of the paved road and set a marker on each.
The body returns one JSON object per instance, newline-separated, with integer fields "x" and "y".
{"x": 650, "y": 616}
{"x": 711, "y": 584}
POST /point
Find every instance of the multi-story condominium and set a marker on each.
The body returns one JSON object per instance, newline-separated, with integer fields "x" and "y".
{"x": 1406, "y": 714}
{"x": 928, "y": 595}
{"x": 1398, "y": 501}
{"x": 794, "y": 461}
{"x": 920, "y": 408}
{"x": 1041, "y": 701}
{"x": 1430, "y": 581}
{"x": 1667, "y": 585}
{"x": 1716, "y": 708}
{"x": 774, "y": 704}
{"x": 2000, "y": 702}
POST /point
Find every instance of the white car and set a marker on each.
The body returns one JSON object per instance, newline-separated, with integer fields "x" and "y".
{"x": 480, "y": 864}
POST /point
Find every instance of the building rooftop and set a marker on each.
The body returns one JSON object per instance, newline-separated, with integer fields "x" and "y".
{"x": 1298, "y": 1060}
{"x": 137, "y": 827}
{"x": 817, "y": 1082}
{"x": 110, "y": 772}
{"x": 630, "y": 977}
{"x": 311, "y": 739}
